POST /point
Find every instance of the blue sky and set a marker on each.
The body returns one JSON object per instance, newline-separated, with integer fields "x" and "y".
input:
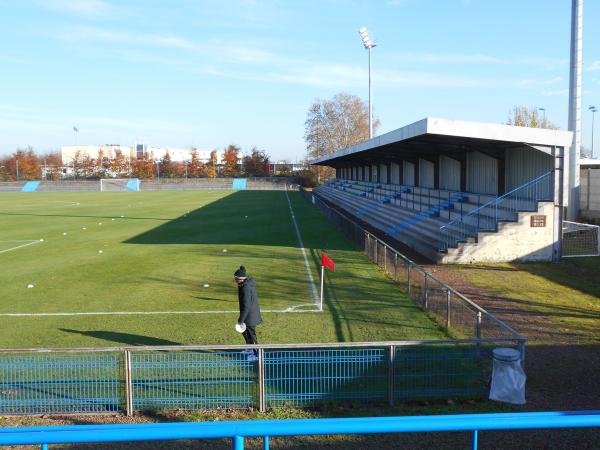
{"x": 209, "y": 73}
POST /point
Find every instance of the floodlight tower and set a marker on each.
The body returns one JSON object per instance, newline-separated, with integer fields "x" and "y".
{"x": 575, "y": 107}
{"x": 593, "y": 109}
{"x": 369, "y": 44}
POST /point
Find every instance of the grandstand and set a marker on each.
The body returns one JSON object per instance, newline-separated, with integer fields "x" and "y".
{"x": 445, "y": 188}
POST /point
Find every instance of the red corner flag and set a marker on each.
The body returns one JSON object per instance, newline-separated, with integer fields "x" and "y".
{"x": 326, "y": 261}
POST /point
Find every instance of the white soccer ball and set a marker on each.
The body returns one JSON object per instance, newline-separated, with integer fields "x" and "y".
{"x": 29, "y": 286}
{"x": 224, "y": 250}
{"x": 84, "y": 228}
{"x": 64, "y": 234}
{"x": 122, "y": 216}
{"x": 41, "y": 240}
{"x": 99, "y": 251}
{"x": 99, "y": 223}
{"x": 112, "y": 218}
{"x": 206, "y": 285}
{"x": 246, "y": 217}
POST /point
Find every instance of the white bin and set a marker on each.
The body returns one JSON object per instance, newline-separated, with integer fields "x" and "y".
{"x": 508, "y": 377}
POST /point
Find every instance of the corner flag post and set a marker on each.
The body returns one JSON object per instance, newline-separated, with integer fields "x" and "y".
{"x": 322, "y": 278}
{"x": 326, "y": 261}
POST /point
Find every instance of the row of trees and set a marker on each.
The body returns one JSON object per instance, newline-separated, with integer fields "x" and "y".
{"x": 25, "y": 164}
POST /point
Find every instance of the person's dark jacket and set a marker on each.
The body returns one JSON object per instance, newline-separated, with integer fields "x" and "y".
{"x": 249, "y": 307}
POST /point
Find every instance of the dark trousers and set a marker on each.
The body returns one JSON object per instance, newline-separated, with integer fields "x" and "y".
{"x": 250, "y": 336}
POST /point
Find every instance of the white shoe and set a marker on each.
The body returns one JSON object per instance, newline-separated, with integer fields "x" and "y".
{"x": 252, "y": 358}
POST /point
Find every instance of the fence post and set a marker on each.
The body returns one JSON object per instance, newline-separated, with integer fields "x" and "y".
{"x": 391, "y": 362}
{"x": 262, "y": 407}
{"x": 385, "y": 258}
{"x": 237, "y": 442}
{"x": 128, "y": 389}
{"x": 396, "y": 266}
{"x": 426, "y": 286}
{"x": 375, "y": 260}
{"x": 478, "y": 334}
{"x": 448, "y": 295}
{"x": 408, "y": 278}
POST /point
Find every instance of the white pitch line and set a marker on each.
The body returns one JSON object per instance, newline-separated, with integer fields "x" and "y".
{"x": 299, "y": 236}
{"x": 145, "y": 313}
{"x": 19, "y": 246}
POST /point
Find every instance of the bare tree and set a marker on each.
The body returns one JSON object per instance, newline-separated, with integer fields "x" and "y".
{"x": 334, "y": 125}
{"x": 523, "y": 116}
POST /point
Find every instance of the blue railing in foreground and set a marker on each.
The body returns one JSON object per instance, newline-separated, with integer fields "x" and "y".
{"x": 503, "y": 208}
{"x": 237, "y": 431}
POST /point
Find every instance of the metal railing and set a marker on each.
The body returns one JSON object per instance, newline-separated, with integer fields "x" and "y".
{"x": 461, "y": 316}
{"x": 129, "y": 379}
{"x": 504, "y": 208}
{"x": 239, "y": 430}
{"x": 580, "y": 239}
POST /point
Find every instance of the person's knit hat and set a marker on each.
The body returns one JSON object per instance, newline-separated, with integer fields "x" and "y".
{"x": 240, "y": 273}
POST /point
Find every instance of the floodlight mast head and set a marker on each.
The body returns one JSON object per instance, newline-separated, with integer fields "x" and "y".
{"x": 368, "y": 44}
{"x": 366, "y": 39}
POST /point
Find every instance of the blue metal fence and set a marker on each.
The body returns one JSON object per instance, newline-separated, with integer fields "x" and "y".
{"x": 192, "y": 380}
{"x": 213, "y": 377}
{"x": 237, "y": 431}
{"x": 503, "y": 208}
{"x": 54, "y": 382}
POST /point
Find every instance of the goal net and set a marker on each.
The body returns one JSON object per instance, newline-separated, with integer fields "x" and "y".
{"x": 119, "y": 184}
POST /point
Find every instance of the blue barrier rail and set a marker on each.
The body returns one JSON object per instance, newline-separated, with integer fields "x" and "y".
{"x": 239, "y": 430}
{"x": 503, "y": 208}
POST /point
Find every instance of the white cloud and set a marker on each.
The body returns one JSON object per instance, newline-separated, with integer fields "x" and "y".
{"x": 251, "y": 62}
{"x": 559, "y": 92}
{"x": 118, "y": 37}
{"x": 90, "y": 8}
{"x": 534, "y": 82}
{"x": 478, "y": 58}
{"x": 593, "y": 66}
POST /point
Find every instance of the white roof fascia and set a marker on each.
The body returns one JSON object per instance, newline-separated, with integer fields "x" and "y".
{"x": 539, "y": 138}
{"x": 499, "y": 132}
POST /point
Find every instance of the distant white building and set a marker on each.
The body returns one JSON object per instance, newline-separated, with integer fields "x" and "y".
{"x": 137, "y": 151}
{"x": 68, "y": 152}
{"x": 176, "y": 154}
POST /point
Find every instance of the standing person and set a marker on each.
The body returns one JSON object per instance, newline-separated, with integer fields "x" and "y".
{"x": 249, "y": 308}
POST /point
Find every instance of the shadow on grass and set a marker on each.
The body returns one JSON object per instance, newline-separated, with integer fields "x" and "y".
{"x": 245, "y": 218}
{"x": 123, "y": 338}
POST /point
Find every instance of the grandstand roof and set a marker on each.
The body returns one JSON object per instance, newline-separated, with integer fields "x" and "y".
{"x": 444, "y": 136}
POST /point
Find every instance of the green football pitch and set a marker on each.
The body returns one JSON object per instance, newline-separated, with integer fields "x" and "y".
{"x": 89, "y": 269}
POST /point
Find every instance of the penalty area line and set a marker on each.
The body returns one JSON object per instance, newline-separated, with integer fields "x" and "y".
{"x": 152, "y": 313}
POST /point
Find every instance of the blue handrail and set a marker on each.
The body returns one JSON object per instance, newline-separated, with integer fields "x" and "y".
{"x": 505, "y": 207}
{"x": 238, "y": 430}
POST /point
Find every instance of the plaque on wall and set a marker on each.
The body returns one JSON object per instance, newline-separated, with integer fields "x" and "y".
{"x": 538, "y": 221}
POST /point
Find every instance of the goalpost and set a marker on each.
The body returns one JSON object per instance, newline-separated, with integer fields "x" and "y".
{"x": 119, "y": 184}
